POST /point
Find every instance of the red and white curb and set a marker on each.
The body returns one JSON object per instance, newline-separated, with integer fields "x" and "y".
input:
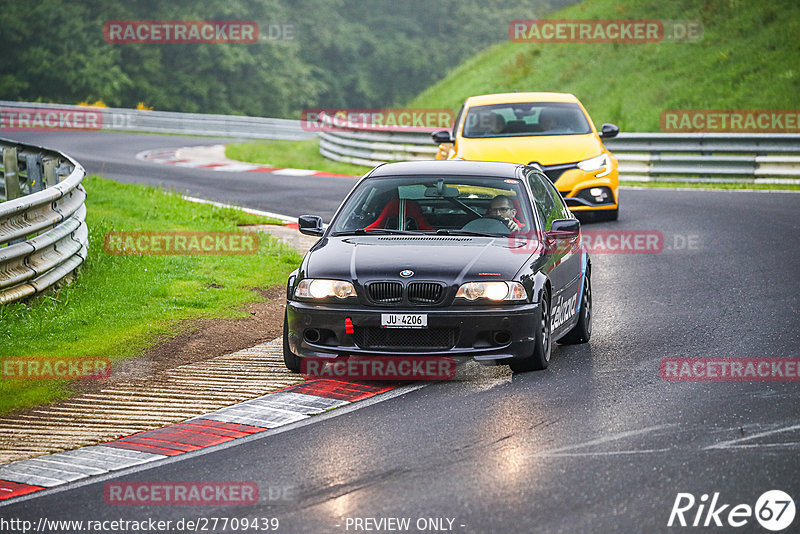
{"x": 290, "y": 405}
{"x": 212, "y": 158}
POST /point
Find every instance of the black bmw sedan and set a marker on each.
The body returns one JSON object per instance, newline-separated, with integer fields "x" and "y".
{"x": 442, "y": 258}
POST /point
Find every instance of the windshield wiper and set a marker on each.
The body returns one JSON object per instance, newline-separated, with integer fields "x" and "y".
{"x": 365, "y": 231}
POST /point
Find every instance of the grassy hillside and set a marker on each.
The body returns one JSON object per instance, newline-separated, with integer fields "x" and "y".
{"x": 749, "y": 58}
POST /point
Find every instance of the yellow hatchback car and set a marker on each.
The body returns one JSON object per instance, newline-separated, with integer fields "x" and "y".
{"x": 552, "y": 130}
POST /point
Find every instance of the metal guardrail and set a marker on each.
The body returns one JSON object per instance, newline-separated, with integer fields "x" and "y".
{"x": 690, "y": 157}
{"x": 43, "y": 232}
{"x": 676, "y": 157}
{"x": 708, "y": 157}
{"x": 373, "y": 148}
{"x": 134, "y": 120}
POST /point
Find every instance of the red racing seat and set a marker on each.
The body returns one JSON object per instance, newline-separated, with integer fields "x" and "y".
{"x": 392, "y": 209}
{"x": 520, "y": 222}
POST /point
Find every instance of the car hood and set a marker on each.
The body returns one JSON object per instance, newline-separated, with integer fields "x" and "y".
{"x": 449, "y": 259}
{"x": 546, "y": 150}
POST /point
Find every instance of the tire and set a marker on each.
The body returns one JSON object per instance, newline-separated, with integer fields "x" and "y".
{"x": 582, "y": 331}
{"x": 540, "y": 358}
{"x": 291, "y": 360}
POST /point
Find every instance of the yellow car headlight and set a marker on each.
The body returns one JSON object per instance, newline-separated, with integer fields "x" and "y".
{"x": 595, "y": 164}
{"x": 492, "y": 291}
{"x": 319, "y": 288}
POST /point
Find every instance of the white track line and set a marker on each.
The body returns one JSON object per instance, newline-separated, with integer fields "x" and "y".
{"x": 604, "y": 439}
{"x": 732, "y": 444}
{"x": 284, "y": 218}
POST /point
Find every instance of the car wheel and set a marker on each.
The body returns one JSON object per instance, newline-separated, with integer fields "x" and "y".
{"x": 540, "y": 358}
{"x": 291, "y": 360}
{"x": 582, "y": 331}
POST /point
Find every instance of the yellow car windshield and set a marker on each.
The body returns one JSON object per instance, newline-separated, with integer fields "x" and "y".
{"x": 525, "y": 119}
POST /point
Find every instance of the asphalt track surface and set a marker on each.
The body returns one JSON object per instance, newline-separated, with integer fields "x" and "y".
{"x": 114, "y": 155}
{"x": 598, "y": 442}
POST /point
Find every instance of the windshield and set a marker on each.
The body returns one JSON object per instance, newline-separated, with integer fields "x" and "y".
{"x": 525, "y": 119}
{"x": 435, "y": 204}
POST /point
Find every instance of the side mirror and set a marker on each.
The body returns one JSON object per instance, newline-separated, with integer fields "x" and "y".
{"x": 310, "y": 225}
{"x": 442, "y": 136}
{"x": 609, "y": 130}
{"x": 565, "y": 228}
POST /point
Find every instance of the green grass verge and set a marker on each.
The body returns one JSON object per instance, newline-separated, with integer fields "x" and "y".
{"x": 119, "y": 306}
{"x": 747, "y": 59}
{"x": 292, "y": 154}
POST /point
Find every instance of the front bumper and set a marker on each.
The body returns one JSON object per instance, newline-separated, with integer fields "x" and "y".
{"x": 482, "y": 332}
{"x": 573, "y": 183}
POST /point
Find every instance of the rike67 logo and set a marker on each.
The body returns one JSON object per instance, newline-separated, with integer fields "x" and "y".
{"x": 774, "y": 510}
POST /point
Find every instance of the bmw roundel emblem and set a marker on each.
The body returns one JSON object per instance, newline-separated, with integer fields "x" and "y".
{"x": 405, "y": 273}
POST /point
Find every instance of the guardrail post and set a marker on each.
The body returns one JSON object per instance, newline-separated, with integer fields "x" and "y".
{"x": 62, "y": 170}
{"x": 705, "y": 153}
{"x": 33, "y": 164}
{"x": 50, "y": 172}
{"x": 11, "y": 173}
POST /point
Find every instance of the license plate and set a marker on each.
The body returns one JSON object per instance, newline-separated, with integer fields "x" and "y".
{"x": 404, "y": 320}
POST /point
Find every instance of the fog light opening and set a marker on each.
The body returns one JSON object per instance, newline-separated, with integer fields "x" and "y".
{"x": 311, "y": 335}
{"x": 501, "y": 337}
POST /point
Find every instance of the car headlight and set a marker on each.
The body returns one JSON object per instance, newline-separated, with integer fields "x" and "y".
{"x": 492, "y": 291}
{"x": 595, "y": 164}
{"x": 319, "y": 288}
